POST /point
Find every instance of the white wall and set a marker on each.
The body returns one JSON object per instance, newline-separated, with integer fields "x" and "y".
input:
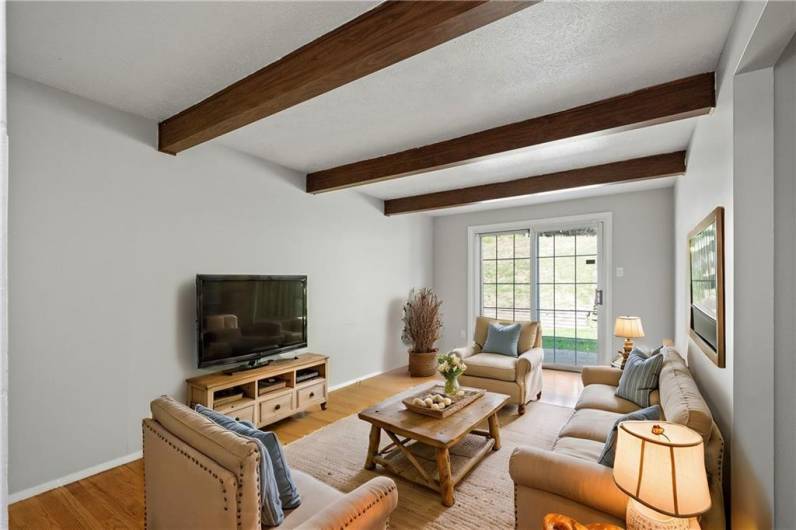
{"x": 732, "y": 164}
{"x": 785, "y": 281}
{"x": 643, "y": 226}
{"x": 106, "y": 235}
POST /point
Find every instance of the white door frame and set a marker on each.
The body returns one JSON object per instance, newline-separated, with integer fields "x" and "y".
{"x": 534, "y": 225}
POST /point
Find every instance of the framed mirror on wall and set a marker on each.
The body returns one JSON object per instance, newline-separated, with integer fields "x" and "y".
{"x": 706, "y": 285}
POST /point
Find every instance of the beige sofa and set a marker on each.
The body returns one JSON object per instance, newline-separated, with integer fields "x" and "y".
{"x": 199, "y": 475}
{"x": 568, "y": 479}
{"x": 519, "y": 377}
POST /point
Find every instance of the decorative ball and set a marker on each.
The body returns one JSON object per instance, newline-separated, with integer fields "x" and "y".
{"x": 460, "y": 393}
{"x": 418, "y": 402}
{"x": 428, "y": 402}
{"x": 438, "y": 398}
{"x": 447, "y": 401}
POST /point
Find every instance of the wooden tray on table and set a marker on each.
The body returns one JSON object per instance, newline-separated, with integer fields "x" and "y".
{"x": 465, "y": 396}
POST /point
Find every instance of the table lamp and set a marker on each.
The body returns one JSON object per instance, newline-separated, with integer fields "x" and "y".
{"x": 628, "y": 328}
{"x": 661, "y": 466}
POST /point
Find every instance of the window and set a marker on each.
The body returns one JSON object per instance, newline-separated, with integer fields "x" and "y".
{"x": 505, "y": 264}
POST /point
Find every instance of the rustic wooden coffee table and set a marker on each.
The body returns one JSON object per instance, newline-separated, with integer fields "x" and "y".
{"x": 426, "y": 433}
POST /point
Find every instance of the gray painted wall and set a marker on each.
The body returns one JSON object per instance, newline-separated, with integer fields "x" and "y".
{"x": 106, "y": 235}
{"x": 785, "y": 293}
{"x": 643, "y": 226}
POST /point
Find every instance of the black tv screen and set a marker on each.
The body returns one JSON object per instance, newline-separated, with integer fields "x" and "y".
{"x": 244, "y": 318}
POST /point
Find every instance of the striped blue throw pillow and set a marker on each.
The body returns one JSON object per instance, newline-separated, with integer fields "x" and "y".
{"x": 640, "y": 377}
{"x": 652, "y": 413}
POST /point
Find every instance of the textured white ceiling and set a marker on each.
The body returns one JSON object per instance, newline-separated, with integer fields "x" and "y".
{"x": 552, "y": 56}
{"x": 156, "y": 58}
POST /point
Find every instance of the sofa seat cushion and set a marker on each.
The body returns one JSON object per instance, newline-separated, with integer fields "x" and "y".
{"x": 492, "y": 366}
{"x": 579, "y": 448}
{"x": 680, "y": 398}
{"x": 315, "y": 496}
{"x": 590, "y": 424}
{"x": 603, "y": 397}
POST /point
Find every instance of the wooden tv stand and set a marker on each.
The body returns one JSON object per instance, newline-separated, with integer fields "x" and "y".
{"x": 251, "y": 400}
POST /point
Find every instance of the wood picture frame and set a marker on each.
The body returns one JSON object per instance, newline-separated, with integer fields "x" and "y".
{"x": 706, "y": 325}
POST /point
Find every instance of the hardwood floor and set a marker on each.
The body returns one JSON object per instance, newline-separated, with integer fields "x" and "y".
{"x": 115, "y": 498}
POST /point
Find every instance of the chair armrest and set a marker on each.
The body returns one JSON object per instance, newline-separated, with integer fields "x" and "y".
{"x": 603, "y": 375}
{"x": 366, "y": 508}
{"x": 587, "y": 483}
{"x": 464, "y": 352}
{"x": 527, "y": 360}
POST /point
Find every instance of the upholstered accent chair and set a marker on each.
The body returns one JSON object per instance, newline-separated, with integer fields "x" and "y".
{"x": 519, "y": 377}
{"x": 198, "y": 474}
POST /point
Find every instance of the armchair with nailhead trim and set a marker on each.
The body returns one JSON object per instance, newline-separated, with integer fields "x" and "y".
{"x": 199, "y": 475}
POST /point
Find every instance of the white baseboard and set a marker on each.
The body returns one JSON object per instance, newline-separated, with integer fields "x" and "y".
{"x": 361, "y": 378}
{"x": 73, "y": 477}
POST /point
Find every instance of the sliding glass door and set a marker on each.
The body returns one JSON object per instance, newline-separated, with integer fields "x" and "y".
{"x": 551, "y": 271}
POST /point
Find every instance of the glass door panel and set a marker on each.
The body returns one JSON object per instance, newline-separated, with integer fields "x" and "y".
{"x": 566, "y": 282}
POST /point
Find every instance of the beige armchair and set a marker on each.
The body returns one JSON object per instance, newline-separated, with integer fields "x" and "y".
{"x": 199, "y": 475}
{"x": 519, "y": 377}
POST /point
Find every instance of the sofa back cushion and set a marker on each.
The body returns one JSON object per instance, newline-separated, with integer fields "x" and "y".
{"x": 530, "y": 334}
{"x": 680, "y": 398}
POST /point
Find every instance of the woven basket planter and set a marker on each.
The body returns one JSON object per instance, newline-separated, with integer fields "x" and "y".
{"x": 422, "y": 364}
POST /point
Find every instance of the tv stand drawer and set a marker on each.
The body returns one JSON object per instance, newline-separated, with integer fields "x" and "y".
{"x": 312, "y": 393}
{"x": 277, "y": 407}
{"x": 244, "y": 414}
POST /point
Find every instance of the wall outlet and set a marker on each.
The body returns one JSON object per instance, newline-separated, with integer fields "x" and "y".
{"x": 620, "y": 271}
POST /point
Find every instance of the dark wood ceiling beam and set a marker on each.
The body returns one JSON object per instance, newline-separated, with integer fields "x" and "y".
{"x": 684, "y": 98}
{"x": 648, "y": 167}
{"x": 385, "y": 35}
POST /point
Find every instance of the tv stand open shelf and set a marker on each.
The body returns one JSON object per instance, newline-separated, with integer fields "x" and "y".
{"x": 277, "y": 404}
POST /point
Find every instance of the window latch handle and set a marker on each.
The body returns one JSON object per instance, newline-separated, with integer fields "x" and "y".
{"x": 598, "y": 297}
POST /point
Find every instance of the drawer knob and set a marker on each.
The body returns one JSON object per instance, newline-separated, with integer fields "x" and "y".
{"x": 277, "y": 407}
{"x": 312, "y": 394}
{"x": 237, "y": 418}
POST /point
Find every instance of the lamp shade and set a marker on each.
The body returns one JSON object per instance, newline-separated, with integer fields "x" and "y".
{"x": 628, "y": 327}
{"x": 662, "y": 466}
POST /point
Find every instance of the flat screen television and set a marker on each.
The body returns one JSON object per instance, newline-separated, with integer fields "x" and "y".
{"x": 245, "y": 318}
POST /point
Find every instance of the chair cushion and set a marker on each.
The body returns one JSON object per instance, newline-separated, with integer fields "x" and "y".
{"x": 528, "y": 333}
{"x": 316, "y": 496}
{"x": 502, "y": 339}
{"x": 492, "y": 366}
{"x": 609, "y": 450}
{"x": 590, "y": 424}
{"x": 640, "y": 377}
{"x": 579, "y": 448}
{"x": 680, "y": 398}
{"x": 603, "y": 397}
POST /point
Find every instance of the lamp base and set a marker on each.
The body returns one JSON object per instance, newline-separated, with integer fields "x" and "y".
{"x": 639, "y": 517}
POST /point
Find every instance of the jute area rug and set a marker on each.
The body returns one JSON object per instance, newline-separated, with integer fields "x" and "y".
{"x": 484, "y": 499}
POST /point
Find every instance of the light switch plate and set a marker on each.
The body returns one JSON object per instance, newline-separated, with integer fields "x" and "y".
{"x": 620, "y": 271}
